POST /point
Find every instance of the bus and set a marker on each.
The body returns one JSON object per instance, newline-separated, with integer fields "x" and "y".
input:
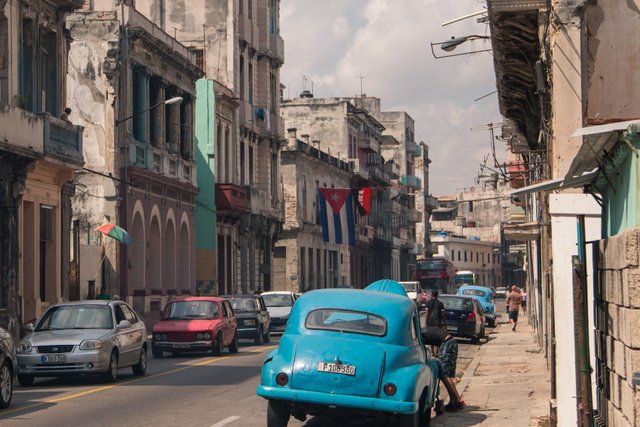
{"x": 465, "y": 277}
{"x": 435, "y": 273}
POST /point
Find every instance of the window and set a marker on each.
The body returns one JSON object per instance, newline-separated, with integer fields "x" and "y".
{"x": 199, "y": 57}
{"x": 346, "y": 321}
{"x": 128, "y": 314}
{"x": 242, "y": 94}
{"x": 465, "y": 256}
{"x": 250, "y": 82}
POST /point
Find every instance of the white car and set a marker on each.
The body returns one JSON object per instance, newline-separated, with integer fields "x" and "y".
{"x": 279, "y": 304}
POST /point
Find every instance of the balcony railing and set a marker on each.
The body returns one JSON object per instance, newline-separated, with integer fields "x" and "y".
{"x": 368, "y": 144}
{"x": 63, "y": 140}
{"x": 410, "y": 147}
{"x": 277, "y": 46}
{"x": 267, "y": 122}
{"x": 430, "y": 203}
{"x": 21, "y": 131}
{"x": 232, "y": 199}
{"x": 358, "y": 169}
{"x": 413, "y": 215}
{"x": 411, "y": 181}
{"x": 418, "y": 150}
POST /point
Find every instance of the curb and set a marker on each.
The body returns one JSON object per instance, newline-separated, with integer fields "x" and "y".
{"x": 470, "y": 371}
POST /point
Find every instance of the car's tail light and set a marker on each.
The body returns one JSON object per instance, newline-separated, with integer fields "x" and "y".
{"x": 390, "y": 389}
{"x": 282, "y": 379}
{"x": 471, "y": 317}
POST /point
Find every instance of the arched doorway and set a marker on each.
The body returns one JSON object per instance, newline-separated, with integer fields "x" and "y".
{"x": 184, "y": 275}
{"x": 169, "y": 259}
{"x": 154, "y": 268}
{"x": 137, "y": 252}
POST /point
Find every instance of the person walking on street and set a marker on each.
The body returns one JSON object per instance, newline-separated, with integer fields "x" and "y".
{"x": 447, "y": 359}
{"x": 523, "y": 293}
{"x": 514, "y": 300}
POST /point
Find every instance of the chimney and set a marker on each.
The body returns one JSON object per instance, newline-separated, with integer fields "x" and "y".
{"x": 316, "y": 143}
{"x": 305, "y": 137}
{"x": 292, "y": 136}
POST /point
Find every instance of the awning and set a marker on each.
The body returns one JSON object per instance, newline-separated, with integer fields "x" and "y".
{"x": 557, "y": 184}
{"x": 599, "y": 142}
{"x": 521, "y": 232}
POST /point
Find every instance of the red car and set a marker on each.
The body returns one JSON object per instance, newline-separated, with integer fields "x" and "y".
{"x": 196, "y": 324}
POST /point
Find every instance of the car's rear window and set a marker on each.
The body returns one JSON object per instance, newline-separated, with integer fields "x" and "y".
{"x": 358, "y": 322}
{"x": 457, "y": 303}
{"x": 278, "y": 300}
{"x": 475, "y": 292}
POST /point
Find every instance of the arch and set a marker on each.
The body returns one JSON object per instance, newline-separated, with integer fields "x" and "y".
{"x": 169, "y": 257}
{"x": 138, "y": 249}
{"x": 154, "y": 266}
{"x": 184, "y": 269}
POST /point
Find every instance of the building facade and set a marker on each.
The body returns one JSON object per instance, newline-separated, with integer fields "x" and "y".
{"x": 238, "y": 44}
{"x": 302, "y": 260}
{"x": 39, "y": 155}
{"x": 134, "y": 88}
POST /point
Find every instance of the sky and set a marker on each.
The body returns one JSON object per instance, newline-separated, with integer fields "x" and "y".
{"x": 388, "y": 42}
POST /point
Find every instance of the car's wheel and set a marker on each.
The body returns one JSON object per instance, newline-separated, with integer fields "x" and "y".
{"x": 267, "y": 336}
{"x": 492, "y": 323}
{"x": 277, "y": 413}
{"x": 6, "y": 385}
{"x": 259, "y": 338}
{"x": 157, "y": 353}
{"x": 408, "y": 420}
{"x": 218, "y": 345}
{"x": 424, "y": 411}
{"x": 112, "y": 371}
{"x": 475, "y": 339}
{"x": 25, "y": 380}
{"x": 233, "y": 347}
{"x": 140, "y": 368}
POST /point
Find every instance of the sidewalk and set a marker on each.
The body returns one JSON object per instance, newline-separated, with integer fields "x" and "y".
{"x": 506, "y": 384}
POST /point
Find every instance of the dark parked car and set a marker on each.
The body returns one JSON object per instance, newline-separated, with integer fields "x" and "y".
{"x": 253, "y": 318}
{"x": 8, "y": 368}
{"x": 464, "y": 317}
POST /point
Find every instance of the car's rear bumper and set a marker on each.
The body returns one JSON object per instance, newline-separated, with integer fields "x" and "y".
{"x": 462, "y": 330}
{"x": 247, "y": 333}
{"x": 336, "y": 400}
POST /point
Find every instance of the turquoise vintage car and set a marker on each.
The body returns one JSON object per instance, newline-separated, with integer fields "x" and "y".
{"x": 350, "y": 353}
{"x": 485, "y": 296}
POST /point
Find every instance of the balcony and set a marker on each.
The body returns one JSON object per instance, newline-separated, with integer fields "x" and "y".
{"x": 410, "y": 147}
{"x": 62, "y": 140}
{"x": 368, "y": 144}
{"x": 21, "y": 131}
{"x": 413, "y": 215}
{"x": 232, "y": 199}
{"x": 246, "y": 114}
{"x": 418, "y": 150}
{"x": 411, "y": 181}
{"x": 379, "y": 173}
{"x": 358, "y": 170}
{"x": 268, "y": 123}
{"x": 430, "y": 203}
{"x": 247, "y": 30}
{"x": 276, "y": 44}
{"x": 364, "y": 233}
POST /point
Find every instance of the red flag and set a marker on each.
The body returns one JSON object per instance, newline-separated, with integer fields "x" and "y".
{"x": 363, "y": 200}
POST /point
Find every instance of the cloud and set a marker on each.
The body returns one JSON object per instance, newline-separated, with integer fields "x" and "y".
{"x": 335, "y": 42}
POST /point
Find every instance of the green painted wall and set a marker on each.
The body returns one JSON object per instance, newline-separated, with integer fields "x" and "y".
{"x": 619, "y": 183}
{"x": 206, "y": 234}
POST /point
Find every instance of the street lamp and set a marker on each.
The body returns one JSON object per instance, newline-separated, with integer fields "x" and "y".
{"x": 175, "y": 100}
{"x": 454, "y": 42}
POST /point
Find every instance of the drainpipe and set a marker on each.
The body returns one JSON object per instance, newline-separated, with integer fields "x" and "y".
{"x": 553, "y": 402}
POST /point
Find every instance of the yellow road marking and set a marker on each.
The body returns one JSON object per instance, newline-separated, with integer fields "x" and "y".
{"x": 6, "y": 412}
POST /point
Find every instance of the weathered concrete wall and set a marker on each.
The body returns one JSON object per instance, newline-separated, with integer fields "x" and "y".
{"x": 612, "y": 39}
{"x": 618, "y": 314}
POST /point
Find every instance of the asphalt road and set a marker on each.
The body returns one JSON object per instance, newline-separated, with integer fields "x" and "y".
{"x": 190, "y": 390}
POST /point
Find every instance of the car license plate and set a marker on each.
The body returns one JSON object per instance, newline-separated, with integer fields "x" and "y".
{"x": 181, "y": 345}
{"x": 452, "y": 328}
{"x": 336, "y": 368}
{"x": 52, "y": 358}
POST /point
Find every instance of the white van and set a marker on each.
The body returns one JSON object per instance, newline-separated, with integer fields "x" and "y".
{"x": 412, "y": 289}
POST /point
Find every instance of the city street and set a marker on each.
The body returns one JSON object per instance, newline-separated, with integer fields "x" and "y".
{"x": 192, "y": 390}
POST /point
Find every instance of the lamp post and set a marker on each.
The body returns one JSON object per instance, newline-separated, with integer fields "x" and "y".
{"x": 175, "y": 100}
{"x": 450, "y": 45}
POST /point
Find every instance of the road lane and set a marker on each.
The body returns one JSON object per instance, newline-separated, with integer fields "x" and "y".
{"x": 188, "y": 391}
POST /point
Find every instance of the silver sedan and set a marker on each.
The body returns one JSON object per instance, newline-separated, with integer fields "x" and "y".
{"x": 84, "y": 337}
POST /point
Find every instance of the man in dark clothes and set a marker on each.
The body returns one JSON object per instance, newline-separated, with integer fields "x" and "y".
{"x": 435, "y": 311}
{"x": 447, "y": 359}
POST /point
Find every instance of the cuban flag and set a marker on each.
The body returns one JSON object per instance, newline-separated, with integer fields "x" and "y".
{"x": 337, "y": 216}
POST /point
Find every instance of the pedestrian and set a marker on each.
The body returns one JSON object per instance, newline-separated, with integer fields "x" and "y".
{"x": 435, "y": 315}
{"x": 514, "y": 300}
{"x": 103, "y": 294}
{"x": 447, "y": 360}
{"x": 523, "y": 293}
{"x": 65, "y": 115}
